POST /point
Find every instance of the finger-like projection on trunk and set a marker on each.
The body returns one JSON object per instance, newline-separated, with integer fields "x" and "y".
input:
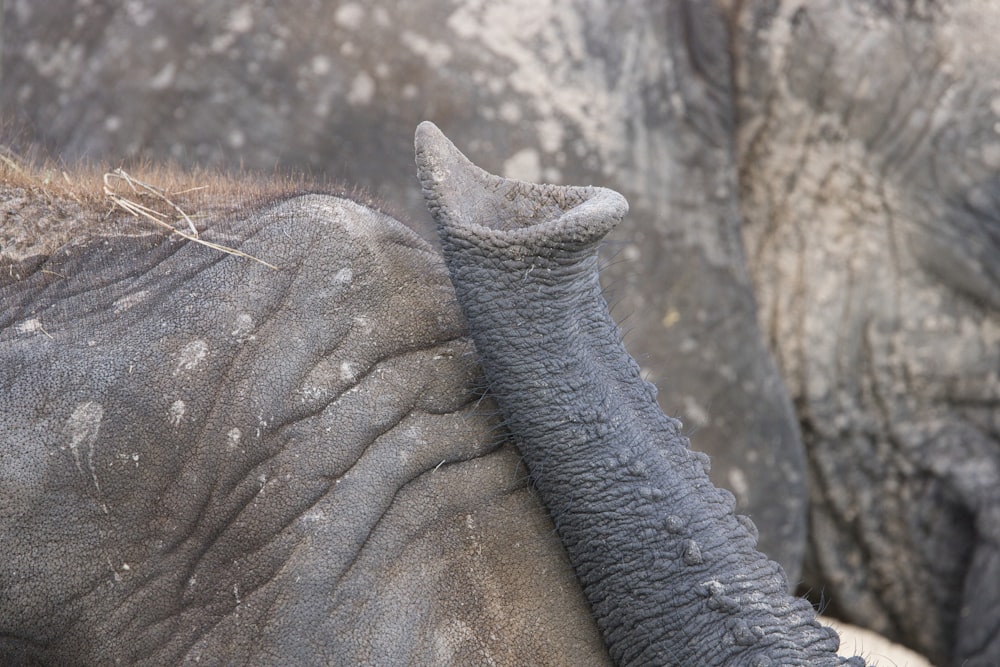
{"x": 671, "y": 573}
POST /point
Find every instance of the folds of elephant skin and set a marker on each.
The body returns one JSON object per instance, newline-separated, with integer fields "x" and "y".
{"x": 209, "y": 460}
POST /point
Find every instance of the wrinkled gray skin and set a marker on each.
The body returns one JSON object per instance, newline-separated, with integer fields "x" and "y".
{"x": 209, "y": 461}
{"x": 872, "y": 207}
{"x": 852, "y": 143}
{"x": 671, "y": 573}
{"x": 634, "y": 97}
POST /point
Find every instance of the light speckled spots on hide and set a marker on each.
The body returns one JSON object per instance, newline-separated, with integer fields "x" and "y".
{"x": 313, "y": 394}
{"x": 132, "y": 458}
{"x": 525, "y": 165}
{"x": 120, "y": 572}
{"x": 242, "y": 331}
{"x": 233, "y": 438}
{"x": 241, "y": 19}
{"x": 177, "y": 411}
{"x": 349, "y": 16}
{"x": 33, "y": 325}
{"x": 437, "y": 54}
{"x": 129, "y": 300}
{"x": 452, "y": 639}
{"x": 362, "y": 90}
{"x": 344, "y": 276}
{"x": 738, "y": 483}
{"x": 363, "y": 324}
{"x": 314, "y": 516}
{"x": 348, "y": 371}
{"x": 83, "y": 426}
{"x": 191, "y": 355}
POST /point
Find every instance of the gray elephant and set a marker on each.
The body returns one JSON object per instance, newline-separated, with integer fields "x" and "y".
{"x": 263, "y": 443}
{"x": 860, "y": 180}
{"x": 870, "y": 200}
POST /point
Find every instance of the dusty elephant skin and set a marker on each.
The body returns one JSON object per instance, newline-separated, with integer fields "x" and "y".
{"x": 206, "y": 460}
{"x": 873, "y": 235}
{"x": 633, "y": 95}
{"x": 850, "y": 147}
{"x": 671, "y": 572}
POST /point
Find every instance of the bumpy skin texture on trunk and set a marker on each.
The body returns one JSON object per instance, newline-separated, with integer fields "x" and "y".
{"x": 671, "y": 573}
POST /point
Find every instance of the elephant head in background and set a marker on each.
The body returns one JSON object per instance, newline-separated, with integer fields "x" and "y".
{"x": 870, "y": 195}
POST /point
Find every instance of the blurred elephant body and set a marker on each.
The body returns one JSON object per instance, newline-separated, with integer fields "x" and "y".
{"x": 866, "y": 197}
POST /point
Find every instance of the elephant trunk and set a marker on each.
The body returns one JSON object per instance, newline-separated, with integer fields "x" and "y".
{"x": 671, "y": 573}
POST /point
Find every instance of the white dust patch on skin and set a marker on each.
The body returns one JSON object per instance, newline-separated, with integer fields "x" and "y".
{"x": 243, "y": 329}
{"x": 83, "y": 426}
{"x": 436, "y": 54}
{"x": 313, "y": 394}
{"x": 362, "y": 90}
{"x": 191, "y": 355}
{"x": 233, "y": 438}
{"x": 177, "y": 411}
{"x": 525, "y": 165}
{"x": 130, "y": 300}
{"x": 344, "y": 276}
{"x": 454, "y": 639}
{"x": 545, "y": 43}
{"x": 738, "y": 483}
{"x": 348, "y": 371}
{"x": 694, "y": 413}
{"x": 128, "y": 458}
{"x": 240, "y": 20}
{"x": 30, "y": 326}
{"x": 349, "y": 16}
